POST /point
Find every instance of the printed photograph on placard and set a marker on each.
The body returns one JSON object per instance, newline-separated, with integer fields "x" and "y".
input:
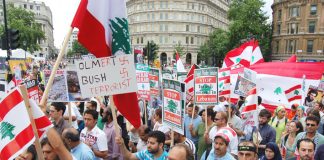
{"x": 243, "y": 86}
{"x": 58, "y": 91}
{"x": 74, "y": 90}
{"x": 313, "y": 95}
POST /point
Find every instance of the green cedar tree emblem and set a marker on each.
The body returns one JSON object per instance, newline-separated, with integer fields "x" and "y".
{"x": 224, "y": 74}
{"x": 252, "y": 59}
{"x": 152, "y": 84}
{"x": 221, "y": 85}
{"x": 120, "y": 35}
{"x": 172, "y": 106}
{"x": 238, "y": 60}
{"x": 278, "y": 91}
{"x": 296, "y": 92}
{"x": 6, "y": 130}
{"x": 205, "y": 89}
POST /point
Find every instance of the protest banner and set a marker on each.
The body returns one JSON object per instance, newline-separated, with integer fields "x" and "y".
{"x": 206, "y": 86}
{"x": 243, "y": 86}
{"x": 173, "y": 104}
{"x": 32, "y": 88}
{"x": 58, "y": 91}
{"x": 321, "y": 84}
{"x": 107, "y": 76}
{"x": 182, "y": 76}
{"x": 143, "y": 81}
{"x": 74, "y": 91}
{"x": 167, "y": 74}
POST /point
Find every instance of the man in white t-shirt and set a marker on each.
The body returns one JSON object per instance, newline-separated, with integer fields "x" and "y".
{"x": 94, "y": 137}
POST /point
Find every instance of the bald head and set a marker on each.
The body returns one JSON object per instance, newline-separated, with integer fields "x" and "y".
{"x": 71, "y": 134}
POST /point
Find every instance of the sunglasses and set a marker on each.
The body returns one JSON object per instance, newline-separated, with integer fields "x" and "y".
{"x": 310, "y": 125}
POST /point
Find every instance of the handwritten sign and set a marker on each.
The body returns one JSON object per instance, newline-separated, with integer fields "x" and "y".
{"x": 143, "y": 81}
{"x": 173, "y": 104}
{"x": 58, "y": 92}
{"x": 206, "y": 86}
{"x": 107, "y": 76}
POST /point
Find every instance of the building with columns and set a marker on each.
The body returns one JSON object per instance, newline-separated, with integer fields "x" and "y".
{"x": 172, "y": 22}
{"x": 298, "y": 28}
{"x": 43, "y": 16}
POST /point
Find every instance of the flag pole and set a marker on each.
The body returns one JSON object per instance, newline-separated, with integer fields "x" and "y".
{"x": 70, "y": 114}
{"x": 24, "y": 93}
{"x": 172, "y": 137}
{"x": 56, "y": 65}
{"x": 145, "y": 111}
{"x": 113, "y": 112}
{"x": 206, "y": 125}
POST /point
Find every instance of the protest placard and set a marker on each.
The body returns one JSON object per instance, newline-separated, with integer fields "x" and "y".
{"x": 107, "y": 76}
{"x": 58, "y": 91}
{"x": 313, "y": 94}
{"x": 243, "y": 86}
{"x": 74, "y": 91}
{"x": 206, "y": 86}
{"x": 143, "y": 81}
{"x": 250, "y": 74}
{"x": 167, "y": 74}
{"x": 181, "y": 76}
{"x": 32, "y": 88}
{"x": 154, "y": 77}
{"x": 173, "y": 104}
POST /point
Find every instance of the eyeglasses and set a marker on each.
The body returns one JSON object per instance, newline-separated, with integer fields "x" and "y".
{"x": 308, "y": 124}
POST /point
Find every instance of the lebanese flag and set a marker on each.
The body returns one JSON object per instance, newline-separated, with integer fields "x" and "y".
{"x": 15, "y": 128}
{"x": 224, "y": 82}
{"x": 294, "y": 93}
{"x": 251, "y": 101}
{"x": 180, "y": 67}
{"x": 256, "y": 54}
{"x": 41, "y": 121}
{"x": 103, "y": 30}
{"x": 241, "y": 55}
{"x": 293, "y": 58}
{"x": 189, "y": 82}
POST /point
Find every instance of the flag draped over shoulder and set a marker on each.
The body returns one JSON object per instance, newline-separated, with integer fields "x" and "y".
{"x": 103, "y": 30}
{"x": 16, "y": 132}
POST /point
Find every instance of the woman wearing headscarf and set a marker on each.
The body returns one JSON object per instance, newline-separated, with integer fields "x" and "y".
{"x": 272, "y": 152}
{"x": 288, "y": 140}
{"x": 300, "y": 116}
{"x": 278, "y": 122}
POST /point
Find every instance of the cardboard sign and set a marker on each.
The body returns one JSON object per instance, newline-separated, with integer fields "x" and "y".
{"x": 181, "y": 76}
{"x": 143, "y": 81}
{"x": 107, "y": 76}
{"x": 206, "y": 86}
{"x": 32, "y": 88}
{"x": 73, "y": 84}
{"x": 58, "y": 91}
{"x": 154, "y": 81}
{"x": 243, "y": 86}
{"x": 167, "y": 74}
{"x": 173, "y": 104}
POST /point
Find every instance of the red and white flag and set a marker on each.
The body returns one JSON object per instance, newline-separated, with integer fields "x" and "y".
{"x": 41, "y": 121}
{"x": 294, "y": 93}
{"x": 15, "y": 128}
{"x": 251, "y": 101}
{"x": 103, "y": 30}
{"x": 224, "y": 82}
{"x": 256, "y": 54}
{"x": 189, "y": 81}
{"x": 180, "y": 66}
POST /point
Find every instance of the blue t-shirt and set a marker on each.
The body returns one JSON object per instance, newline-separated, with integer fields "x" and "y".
{"x": 187, "y": 122}
{"x": 83, "y": 152}
{"x": 146, "y": 155}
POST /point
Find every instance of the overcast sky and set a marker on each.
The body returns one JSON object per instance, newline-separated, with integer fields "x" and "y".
{"x": 64, "y": 10}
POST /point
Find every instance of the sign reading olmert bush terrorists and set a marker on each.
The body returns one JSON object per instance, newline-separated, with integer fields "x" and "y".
{"x": 206, "y": 86}
{"x": 173, "y": 104}
{"x": 107, "y": 76}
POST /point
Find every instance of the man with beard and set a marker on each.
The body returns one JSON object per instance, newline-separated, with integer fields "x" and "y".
{"x": 306, "y": 150}
{"x": 154, "y": 149}
{"x": 219, "y": 151}
{"x": 109, "y": 129}
{"x": 264, "y": 132}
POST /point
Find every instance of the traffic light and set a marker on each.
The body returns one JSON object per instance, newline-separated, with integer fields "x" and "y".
{"x": 3, "y": 42}
{"x": 14, "y": 38}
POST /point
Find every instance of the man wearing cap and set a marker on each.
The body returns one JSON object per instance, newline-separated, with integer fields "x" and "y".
{"x": 247, "y": 151}
{"x": 219, "y": 151}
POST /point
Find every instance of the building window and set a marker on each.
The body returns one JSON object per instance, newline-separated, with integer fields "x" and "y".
{"x": 279, "y": 15}
{"x": 313, "y": 10}
{"x": 137, "y": 40}
{"x": 198, "y": 29}
{"x": 142, "y": 40}
{"x": 277, "y": 46}
{"x": 25, "y": 6}
{"x": 161, "y": 15}
{"x": 161, "y": 27}
{"x": 187, "y": 28}
{"x": 192, "y": 40}
{"x": 310, "y": 44}
{"x": 294, "y": 11}
{"x": 166, "y": 27}
{"x": 187, "y": 40}
{"x": 38, "y": 8}
{"x": 31, "y": 7}
{"x": 311, "y": 26}
{"x": 278, "y": 29}
{"x": 293, "y": 28}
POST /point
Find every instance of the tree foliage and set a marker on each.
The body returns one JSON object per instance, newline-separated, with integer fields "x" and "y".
{"x": 30, "y": 31}
{"x": 78, "y": 48}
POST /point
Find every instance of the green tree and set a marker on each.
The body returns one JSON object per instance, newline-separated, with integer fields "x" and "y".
{"x": 78, "y": 48}
{"x": 247, "y": 20}
{"x": 30, "y": 31}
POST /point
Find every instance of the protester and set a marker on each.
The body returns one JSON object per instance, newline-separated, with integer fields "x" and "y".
{"x": 180, "y": 152}
{"x": 79, "y": 150}
{"x": 93, "y": 105}
{"x": 179, "y": 138}
{"x": 272, "y": 152}
{"x": 143, "y": 133}
{"x": 293, "y": 110}
{"x": 306, "y": 149}
{"x": 294, "y": 128}
{"x": 313, "y": 112}
{"x": 159, "y": 126}
{"x": 155, "y": 143}
{"x": 202, "y": 145}
{"x": 94, "y": 137}
{"x": 247, "y": 150}
{"x": 29, "y": 154}
{"x": 234, "y": 121}
{"x": 279, "y": 121}
{"x": 319, "y": 154}
{"x": 310, "y": 132}
{"x": 56, "y": 113}
{"x": 195, "y": 122}
{"x": 300, "y": 116}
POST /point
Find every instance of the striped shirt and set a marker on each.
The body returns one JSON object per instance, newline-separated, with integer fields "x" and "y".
{"x": 191, "y": 145}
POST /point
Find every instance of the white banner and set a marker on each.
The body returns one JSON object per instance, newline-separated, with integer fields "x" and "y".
{"x": 107, "y": 76}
